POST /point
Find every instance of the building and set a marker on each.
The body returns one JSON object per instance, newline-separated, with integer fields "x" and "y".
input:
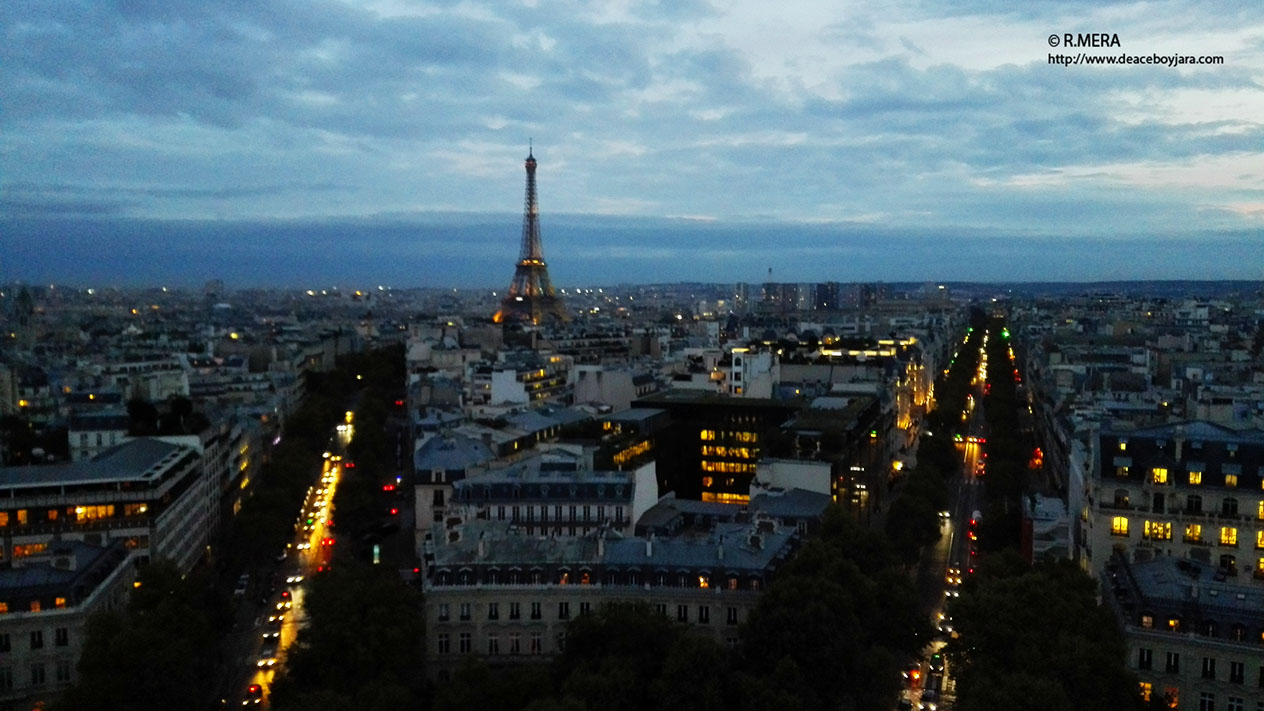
{"x": 556, "y": 495}
{"x": 46, "y": 599}
{"x": 154, "y": 496}
{"x": 1194, "y": 636}
{"x": 1189, "y": 490}
{"x": 495, "y": 594}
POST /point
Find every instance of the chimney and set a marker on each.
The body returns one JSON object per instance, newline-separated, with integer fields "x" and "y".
{"x": 719, "y": 549}
{"x": 482, "y": 547}
{"x": 649, "y": 546}
{"x": 601, "y": 546}
{"x": 1179, "y": 438}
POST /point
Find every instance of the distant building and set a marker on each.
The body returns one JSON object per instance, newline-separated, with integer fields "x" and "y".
{"x": 45, "y": 601}
{"x": 154, "y": 496}
{"x": 495, "y": 594}
{"x": 1193, "y": 634}
{"x": 1189, "y": 490}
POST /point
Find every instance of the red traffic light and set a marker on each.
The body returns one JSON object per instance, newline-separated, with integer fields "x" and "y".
{"x": 394, "y": 512}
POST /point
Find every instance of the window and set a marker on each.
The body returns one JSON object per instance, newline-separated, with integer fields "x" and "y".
{"x": 660, "y": 608}
{"x": 1158, "y": 530}
{"x": 1119, "y": 526}
{"x": 537, "y": 643}
{"x": 438, "y": 498}
{"x": 493, "y": 610}
{"x": 1229, "y": 507}
{"x": 1209, "y": 667}
{"x": 1123, "y": 445}
{"x": 1173, "y": 665}
{"x": 1228, "y": 536}
{"x": 4, "y": 642}
{"x": 37, "y": 674}
{"x": 1206, "y": 701}
{"x": 1145, "y": 658}
{"x": 1174, "y": 624}
{"x": 563, "y": 610}
{"x": 1146, "y": 691}
{"x": 37, "y": 639}
{"x": 63, "y": 672}
{"x": 1158, "y": 475}
{"x": 1193, "y": 504}
{"x": 1195, "y": 478}
{"x": 1235, "y": 703}
{"x": 1194, "y": 533}
{"x": 444, "y": 643}
{"x": 704, "y": 615}
{"x": 1237, "y": 672}
{"x": 6, "y": 679}
{"x": 1260, "y": 512}
{"x": 730, "y": 616}
{"x": 682, "y": 613}
{"x": 466, "y": 612}
{"x": 515, "y": 643}
{"x": 61, "y": 637}
{"x": 515, "y": 610}
{"x": 536, "y": 613}
{"x": 1231, "y": 480}
{"x": 445, "y": 612}
{"x": 1259, "y": 539}
{"x": 35, "y": 606}
{"x": 585, "y": 608}
{"x": 464, "y": 643}
{"x": 493, "y": 644}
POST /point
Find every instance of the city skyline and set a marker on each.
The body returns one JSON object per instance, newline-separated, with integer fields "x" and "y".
{"x": 343, "y": 143}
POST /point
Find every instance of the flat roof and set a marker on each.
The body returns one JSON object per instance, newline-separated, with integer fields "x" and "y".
{"x": 136, "y": 459}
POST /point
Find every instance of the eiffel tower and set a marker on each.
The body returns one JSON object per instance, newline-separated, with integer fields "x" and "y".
{"x": 531, "y": 297}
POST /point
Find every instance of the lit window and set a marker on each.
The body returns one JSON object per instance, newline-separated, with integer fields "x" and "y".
{"x": 1231, "y": 480}
{"x": 1159, "y": 531}
{"x": 1194, "y": 533}
{"x": 1174, "y": 624}
{"x": 1146, "y": 690}
{"x": 1195, "y": 478}
{"x": 1259, "y": 515}
{"x": 60, "y": 603}
{"x": 1259, "y": 539}
{"x": 1159, "y": 475}
{"x": 1121, "y": 471}
{"x": 1119, "y": 526}
{"x": 1123, "y": 445}
{"x": 1228, "y": 536}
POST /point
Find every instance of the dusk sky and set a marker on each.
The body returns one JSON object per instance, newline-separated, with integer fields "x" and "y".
{"x": 321, "y": 142}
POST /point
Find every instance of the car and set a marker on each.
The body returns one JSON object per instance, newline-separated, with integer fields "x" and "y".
{"x": 304, "y": 545}
{"x": 294, "y": 579}
{"x": 937, "y": 663}
{"x": 254, "y": 695}
{"x": 276, "y": 617}
{"x": 268, "y": 653}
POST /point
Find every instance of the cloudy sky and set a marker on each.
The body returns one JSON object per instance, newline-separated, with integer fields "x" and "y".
{"x": 382, "y": 140}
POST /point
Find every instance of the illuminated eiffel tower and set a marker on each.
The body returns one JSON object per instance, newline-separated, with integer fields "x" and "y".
{"x": 531, "y": 297}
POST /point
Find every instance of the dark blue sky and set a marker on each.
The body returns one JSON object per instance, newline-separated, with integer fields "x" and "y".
{"x": 692, "y": 139}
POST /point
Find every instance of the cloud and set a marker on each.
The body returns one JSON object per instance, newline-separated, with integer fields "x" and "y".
{"x": 922, "y": 116}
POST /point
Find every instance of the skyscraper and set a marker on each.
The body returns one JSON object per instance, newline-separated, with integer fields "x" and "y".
{"x": 531, "y": 297}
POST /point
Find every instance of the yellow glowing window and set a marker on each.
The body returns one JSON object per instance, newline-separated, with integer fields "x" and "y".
{"x": 1259, "y": 569}
{"x": 1146, "y": 690}
{"x": 1259, "y": 539}
{"x": 1260, "y": 515}
{"x": 1174, "y": 624}
{"x": 1228, "y": 536}
{"x": 60, "y": 603}
{"x": 1119, "y": 526}
{"x": 1121, "y": 471}
{"x": 21, "y": 517}
{"x": 1123, "y": 445}
{"x": 1158, "y": 531}
{"x": 1195, "y": 477}
{"x": 1231, "y": 479}
{"x": 35, "y": 606}
{"x": 1159, "y": 475}
{"x": 703, "y": 581}
{"x": 707, "y": 481}
{"x": 1194, "y": 533}
{"x": 707, "y": 435}
{"x": 4, "y": 606}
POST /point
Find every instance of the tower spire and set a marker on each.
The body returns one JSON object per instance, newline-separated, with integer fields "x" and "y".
{"x": 531, "y": 296}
